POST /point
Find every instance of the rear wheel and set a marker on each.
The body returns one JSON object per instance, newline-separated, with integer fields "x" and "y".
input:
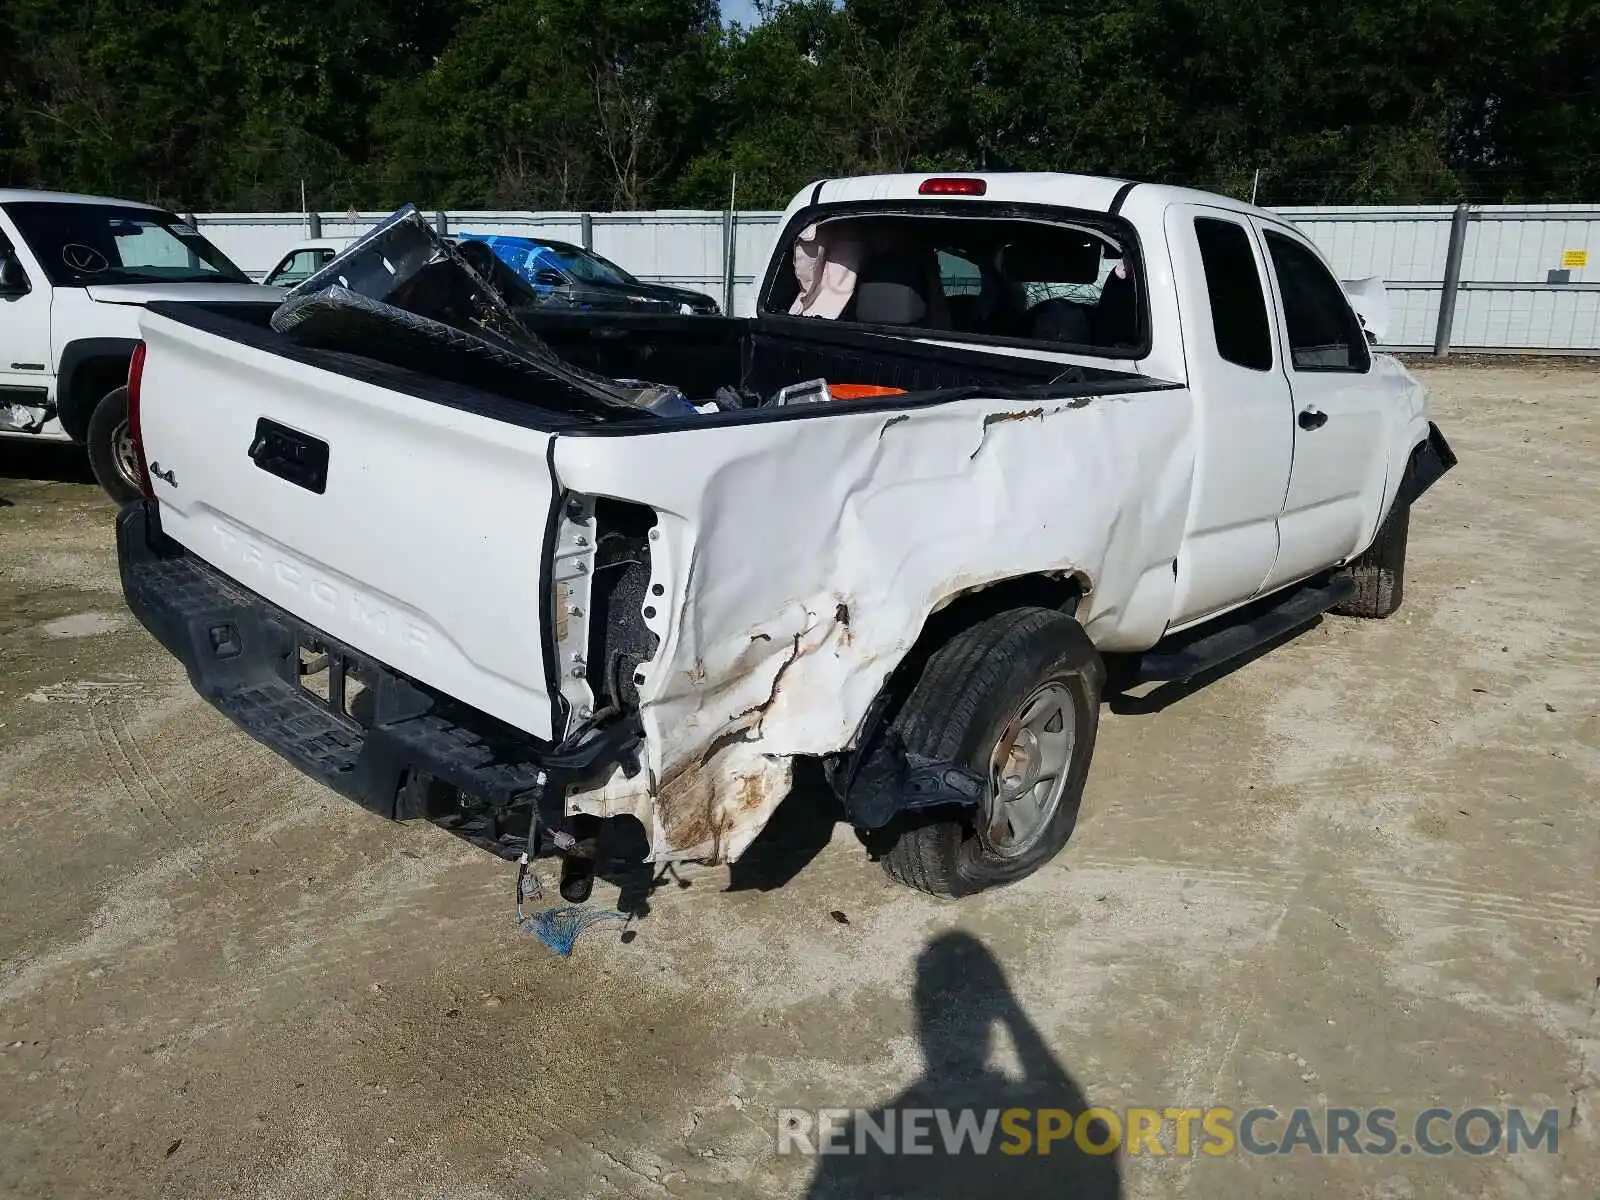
{"x": 110, "y": 445}
{"x": 1017, "y": 699}
{"x": 1379, "y": 574}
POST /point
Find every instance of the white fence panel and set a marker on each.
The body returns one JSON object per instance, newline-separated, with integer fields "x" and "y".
{"x": 559, "y": 226}
{"x": 1517, "y": 291}
{"x": 680, "y": 248}
{"x": 255, "y": 241}
{"x": 1405, "y": 247}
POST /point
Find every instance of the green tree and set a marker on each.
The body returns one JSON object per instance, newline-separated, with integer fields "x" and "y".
{"x": 556, "y": 103}
{"x": 638, "y": 103}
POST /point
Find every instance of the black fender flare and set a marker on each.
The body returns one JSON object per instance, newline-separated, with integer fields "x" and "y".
{"x": 1429, "y": 460}
{"x": 73, "y": 405}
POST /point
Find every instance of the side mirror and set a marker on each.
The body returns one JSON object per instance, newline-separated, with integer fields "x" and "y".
{"x": 1372, "y": 338}
{"x": 13, "y": 280}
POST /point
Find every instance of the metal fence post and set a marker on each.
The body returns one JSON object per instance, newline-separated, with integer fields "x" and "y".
{"x": 314, "y": 225}
{"x": 1452, "y": 281}
{"x": 586, "y": 230}
{"x": 730, "y": 252}
{"x": 441, "y": 224}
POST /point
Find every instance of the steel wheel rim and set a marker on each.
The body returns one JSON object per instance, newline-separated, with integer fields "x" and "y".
{"x": 1028, "y": 771}
{"x": 122, "y": 451}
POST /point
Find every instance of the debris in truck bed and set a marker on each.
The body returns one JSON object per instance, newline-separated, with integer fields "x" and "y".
{"x": 813, "y": 391}
{"x": 340, "y": 319}
{"x": 402, "y": 263}
{"x": 402, "y": 295}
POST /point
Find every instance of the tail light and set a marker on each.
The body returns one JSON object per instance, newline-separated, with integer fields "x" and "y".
{"x": 953, "y": 186}
{"x": 135, "y": 432}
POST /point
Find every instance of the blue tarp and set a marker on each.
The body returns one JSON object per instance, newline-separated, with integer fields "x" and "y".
{"x": 523, "y": 255}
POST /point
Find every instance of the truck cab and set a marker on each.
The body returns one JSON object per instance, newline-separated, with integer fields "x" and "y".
{"x": 75, "y": 273}
{"x": 1173, "y": 284}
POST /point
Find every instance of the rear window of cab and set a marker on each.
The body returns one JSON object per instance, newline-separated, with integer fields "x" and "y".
{"x": 1053, "y": 282}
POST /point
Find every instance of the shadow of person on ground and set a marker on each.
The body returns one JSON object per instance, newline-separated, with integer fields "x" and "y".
{"x": 962, "y": 998}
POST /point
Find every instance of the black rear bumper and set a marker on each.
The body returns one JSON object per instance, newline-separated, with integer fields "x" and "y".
{"x": 399, "y": 749}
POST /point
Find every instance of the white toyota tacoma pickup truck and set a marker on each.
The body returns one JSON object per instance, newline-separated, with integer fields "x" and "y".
{"x": 1076, "y": 433}
{"x": 74, "y": 273}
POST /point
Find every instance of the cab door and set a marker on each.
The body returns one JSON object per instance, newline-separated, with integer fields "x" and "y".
{"x": 27, "y": 368}
{"x": 1243, "y": 421}
{"x": 1341, "y": 419}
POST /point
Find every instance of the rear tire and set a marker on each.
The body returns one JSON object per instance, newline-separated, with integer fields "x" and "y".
{"x": 1379, "y": 573}
{"x": 1031, "y": 677}
{"x": 110, "y": 447}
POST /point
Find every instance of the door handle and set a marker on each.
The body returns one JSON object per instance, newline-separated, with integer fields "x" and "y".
{"x": 1312, "y": 418}
{"x": 292, "y": 456}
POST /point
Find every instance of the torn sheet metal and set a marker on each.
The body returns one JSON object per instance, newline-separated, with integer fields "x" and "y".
{"x": 798, "y": 562}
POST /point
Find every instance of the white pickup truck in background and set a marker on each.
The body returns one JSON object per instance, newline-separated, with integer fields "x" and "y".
{"x": 303, "y": 260}
{"x": 74, "y": 273}
{"x": 1076, "y": 429}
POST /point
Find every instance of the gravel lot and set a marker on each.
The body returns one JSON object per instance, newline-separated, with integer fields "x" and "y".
{"x": 1359, "y": 871}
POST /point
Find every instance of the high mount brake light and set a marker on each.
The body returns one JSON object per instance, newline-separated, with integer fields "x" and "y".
{"x": 953, "y": 186}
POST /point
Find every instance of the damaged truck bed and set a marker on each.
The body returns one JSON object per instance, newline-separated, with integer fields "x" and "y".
{"x": 1065, "y": 422}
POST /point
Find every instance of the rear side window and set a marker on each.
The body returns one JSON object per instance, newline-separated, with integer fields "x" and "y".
{"x": 1233, "y": 286}
{"x": 1324, "y": 334}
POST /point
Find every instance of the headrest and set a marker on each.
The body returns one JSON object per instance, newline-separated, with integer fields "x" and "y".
{"x": 1059, "y": 321}
{"x": 890, "y": 291}
{"x": 1057, "y": 257}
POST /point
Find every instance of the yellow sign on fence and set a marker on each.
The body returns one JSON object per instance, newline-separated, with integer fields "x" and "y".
{"x": 1574, "y": 258}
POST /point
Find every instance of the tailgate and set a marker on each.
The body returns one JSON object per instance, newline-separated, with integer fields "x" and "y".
{"x": 407, "y": 529}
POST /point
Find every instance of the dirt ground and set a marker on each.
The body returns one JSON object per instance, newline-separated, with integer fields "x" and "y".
{"x": 1359, "y": 871}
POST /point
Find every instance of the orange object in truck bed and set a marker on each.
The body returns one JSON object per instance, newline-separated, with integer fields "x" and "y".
{"x": 862, "y": 391}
